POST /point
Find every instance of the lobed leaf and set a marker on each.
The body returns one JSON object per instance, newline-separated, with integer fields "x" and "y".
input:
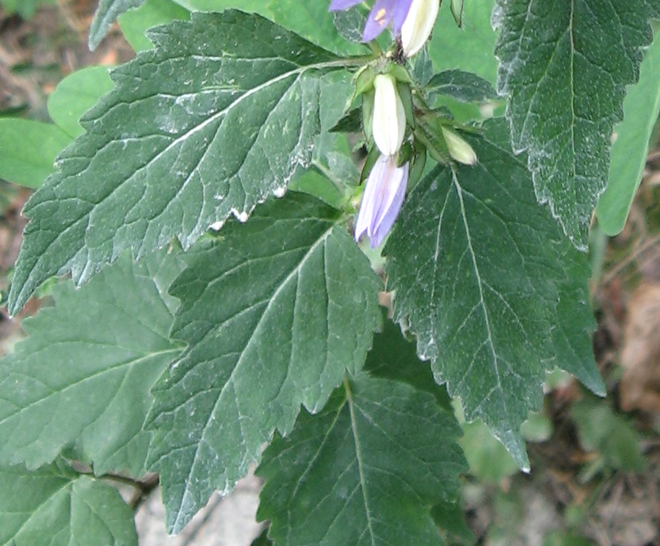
{"x": 365, "y": 471}
{"x": 54, "y": 506}
{"x": 493, "y": 290}
{"x": 564, "y": 66}
{"x": 274, "y": 312}
{"x": 216, "y": 118}
{"x": 82, "y": 377}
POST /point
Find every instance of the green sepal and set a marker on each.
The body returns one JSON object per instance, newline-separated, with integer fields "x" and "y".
{"x": 457, "y": 11}
{"x": 364, "y": 82}
{"x": 372, "y": 157}
{"x": 406, "y": 98}
{"x": 399, "y": 72}
{"x": 417, "y": 166}
{"x": 406, "y": 153}
{"x": 368, "y": 113}
{"x": 429, "y": 133}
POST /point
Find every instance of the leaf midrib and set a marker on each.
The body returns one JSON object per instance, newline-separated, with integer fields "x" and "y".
{"x": 240, "y": 361}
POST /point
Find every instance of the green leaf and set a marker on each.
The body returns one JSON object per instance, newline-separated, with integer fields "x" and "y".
{"x": 28, "y": 150}
{"x": 274, "y": 312}
{"x": 468, "y": 48}
{"x": 331, "y": 172}
{"x": 612, "y": 435}
{"x": 54, "y": 506}
{"x": 350, "y": 23}
{"x": 488, "y": 460}
{"x": 105, "y": 15}
{"x": 134, "y": 23}
{"x": 250, "y": 6}
{"x": 76, "y": 94}
{"x": 367, "y": 470}
{"x": 83, "y": 375}
{"x": 484, "y": 284}
{"x": 313, "y": 21}
{"x": 262, "y": 539}
{"x": 167, "y": 157}
{"x": 449, "y": 517}
{"x": 564, "y": 66}
{"x": 463, "y": 86}
{"x": 394, "y": 357}
{"x": 640, "y": 114}
{"x": 25, "y": 8}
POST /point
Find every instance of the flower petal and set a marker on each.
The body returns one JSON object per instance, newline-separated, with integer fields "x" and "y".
{"x": 383, "y": 196}
{"x": 389, "y": 116}
{"x": 383, "y": 13}
{"x": 369, "y": 204}
{"x": 418, "y": 25}
{"x": 390, "y": 188}
{"x": 390, "y": 215}
{"x": 338, "y": 5}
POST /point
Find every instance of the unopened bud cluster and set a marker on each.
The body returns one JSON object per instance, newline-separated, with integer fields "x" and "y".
{"x": 412, "y": 21}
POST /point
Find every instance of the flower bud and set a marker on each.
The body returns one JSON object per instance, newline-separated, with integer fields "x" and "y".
{"x": 418, "y": 25}
{"x": 458, "y": 148}
{"x": 389, "y": 118}
{"x": 383, "y": 195}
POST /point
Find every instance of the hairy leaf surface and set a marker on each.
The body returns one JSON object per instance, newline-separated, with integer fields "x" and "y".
{"x": 565, "y": 65}
{"x": 462, "y": 86}
{"x": 82, "y": 377}
{"x": 214, "y": 119}
{"x": 54, "y": 506}
{"x": 274, "y": 312}
{"x": 366, "y": 471}
{"x": 493, "y": 290}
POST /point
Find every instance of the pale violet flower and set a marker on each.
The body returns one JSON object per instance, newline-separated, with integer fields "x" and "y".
{"x": 418, "y": 25}
{"x": 389, "y": 118}
{"x": 384, "y": 13}
{"x": 382, "y": 199}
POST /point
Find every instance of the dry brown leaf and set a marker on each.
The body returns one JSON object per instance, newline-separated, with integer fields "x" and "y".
{"x": 640, "y": 384}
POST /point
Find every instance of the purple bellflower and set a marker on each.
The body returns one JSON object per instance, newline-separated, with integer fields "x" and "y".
{"x": 383, "y": 14}
{"x": 383, "y": 196}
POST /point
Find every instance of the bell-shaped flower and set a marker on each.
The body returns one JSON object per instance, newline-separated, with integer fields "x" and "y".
{"x": 384, "y": 13}
{"x": 382, "y": 199}
{"x": 458, "y": 148}
{"x": 389, "y": 117}
{"x": 418, "y": 25}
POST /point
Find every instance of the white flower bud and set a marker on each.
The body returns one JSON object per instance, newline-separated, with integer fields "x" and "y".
{"x": 389, "y": 119}
{"x": 458, "y": 148}
{"x": 418, "y": 25}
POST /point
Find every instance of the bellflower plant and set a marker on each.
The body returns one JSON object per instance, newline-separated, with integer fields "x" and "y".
{"x": 215, "y": 301}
